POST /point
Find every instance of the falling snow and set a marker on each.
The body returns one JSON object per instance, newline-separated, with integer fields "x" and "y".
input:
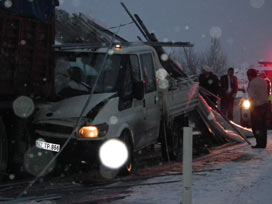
{"x": 8, "y": 3}
{"x": 215, "y": 32}
{"x": 161, "y": 73}
{"x": 113, "y": 120}
{"x": 257, "y": 3}
{"x": 110, "y": 52}
{"x": 163, "y": 84}
{"x": 210, "y": 81}
{"x": 164, "y": 57}
{"x": 23, "y": 106}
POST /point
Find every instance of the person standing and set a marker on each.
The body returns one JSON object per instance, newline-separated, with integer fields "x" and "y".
{"x": 210, "y": 82}
{"x": 228, "y": 91}
{"x": 257, "y": 93}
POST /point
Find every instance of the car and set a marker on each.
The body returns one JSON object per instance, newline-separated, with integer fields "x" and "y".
{"x": 246, "y": 105}
{"x": 245, "y": 112}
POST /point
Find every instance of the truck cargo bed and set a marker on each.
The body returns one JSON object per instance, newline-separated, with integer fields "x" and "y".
{"x": 181, "y": 100}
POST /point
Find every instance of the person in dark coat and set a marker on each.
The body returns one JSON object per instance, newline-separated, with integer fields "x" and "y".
{"x": 258, "y": 95}
{"x": 228, "y": 91}
{"x": 210, "y": 82}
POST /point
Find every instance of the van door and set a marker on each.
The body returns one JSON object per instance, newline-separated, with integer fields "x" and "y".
{"x": 151, "y": 103}
{"x": 131, "y": 109}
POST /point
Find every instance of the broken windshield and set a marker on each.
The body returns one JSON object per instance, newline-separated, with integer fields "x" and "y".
{"x": 76, "y": 74}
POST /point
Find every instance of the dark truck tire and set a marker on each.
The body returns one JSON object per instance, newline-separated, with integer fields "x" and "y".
{"x": 3, "y": 150}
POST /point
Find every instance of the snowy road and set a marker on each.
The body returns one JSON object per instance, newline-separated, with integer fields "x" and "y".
{"x": 232, "y": 175}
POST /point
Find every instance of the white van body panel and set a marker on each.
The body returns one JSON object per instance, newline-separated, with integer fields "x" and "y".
{"x": 70, "y": 107}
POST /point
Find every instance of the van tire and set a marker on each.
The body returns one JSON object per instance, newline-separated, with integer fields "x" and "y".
{"x": 176, "y": 142}
{"x": 3, "y": 150}
{"x": 171, "y": 137}
{"x": 128, "y": 167}
{"x": 163, "y": 140}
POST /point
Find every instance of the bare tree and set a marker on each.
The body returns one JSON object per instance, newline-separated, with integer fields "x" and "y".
{"x": 188, "y": 58}
{"x": 192, "y": 62}
{"x": 215, "y": 57}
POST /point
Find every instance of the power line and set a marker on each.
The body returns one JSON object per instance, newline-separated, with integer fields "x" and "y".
{"x": 121, "y": 25}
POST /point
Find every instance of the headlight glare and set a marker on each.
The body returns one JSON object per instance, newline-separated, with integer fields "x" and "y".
{"x": 246, "y": 104}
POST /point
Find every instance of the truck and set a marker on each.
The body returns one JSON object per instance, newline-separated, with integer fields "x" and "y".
{"x": 26, "y": 38}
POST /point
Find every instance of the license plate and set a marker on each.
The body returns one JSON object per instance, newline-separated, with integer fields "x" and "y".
{"x": 47, "y": 146}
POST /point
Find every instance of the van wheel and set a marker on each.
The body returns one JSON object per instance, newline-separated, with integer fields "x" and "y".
{"x": 128, "y": 167}
{"x": 3, "y": 150}
{"x": 163, "y": 140}
{"x": 176, "y": 143}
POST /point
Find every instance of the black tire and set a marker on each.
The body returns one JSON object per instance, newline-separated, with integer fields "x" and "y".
{"x": 128, "y": 167}
{"x": 244, "y": 123}
{"x": 176, "y": 142}
{"x": 163, "y": 141}
{"x": 35, "y": 160}
{"x": 245, "y": 119}
{"x": 3, "y": 150}
{"x": 172, "y": 139}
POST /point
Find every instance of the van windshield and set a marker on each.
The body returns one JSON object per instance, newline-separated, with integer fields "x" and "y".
{"x": 75, "y": 74}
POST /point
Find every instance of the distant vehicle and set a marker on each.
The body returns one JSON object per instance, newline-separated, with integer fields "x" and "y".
{"x": 265, "y": 71}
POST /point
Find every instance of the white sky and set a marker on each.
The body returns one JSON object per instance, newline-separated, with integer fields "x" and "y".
{"x": 244, "y": 27}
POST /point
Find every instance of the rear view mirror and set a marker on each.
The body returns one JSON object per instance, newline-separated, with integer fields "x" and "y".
{"x": 138, "y": 90}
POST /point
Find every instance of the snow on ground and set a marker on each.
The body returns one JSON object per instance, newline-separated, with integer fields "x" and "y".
{"x": 233, "y": 175}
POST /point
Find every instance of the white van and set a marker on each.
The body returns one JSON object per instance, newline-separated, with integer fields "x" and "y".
{"x": 124, "y": 103}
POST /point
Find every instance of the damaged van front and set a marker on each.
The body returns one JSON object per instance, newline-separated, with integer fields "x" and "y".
{"x": 99, "y": 96}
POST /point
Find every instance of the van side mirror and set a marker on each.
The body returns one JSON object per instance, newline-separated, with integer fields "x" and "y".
{"x": 138, "y": 90}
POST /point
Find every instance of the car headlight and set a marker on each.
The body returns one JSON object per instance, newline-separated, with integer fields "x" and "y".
{"x": 93, "y": 131}
{"x": 246, "y": 104}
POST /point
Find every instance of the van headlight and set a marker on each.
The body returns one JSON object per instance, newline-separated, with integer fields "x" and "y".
{"x": 246, "y": 104}
{"x": 93, "y": 131}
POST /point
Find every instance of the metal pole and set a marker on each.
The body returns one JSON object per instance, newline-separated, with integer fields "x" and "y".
{"x": 134, "y": 21}
{"x": 187, "y": 165}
